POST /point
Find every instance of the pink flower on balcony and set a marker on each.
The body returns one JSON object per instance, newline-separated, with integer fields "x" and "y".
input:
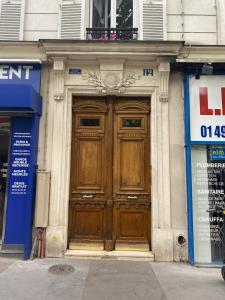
{"x": 114, "y": 36}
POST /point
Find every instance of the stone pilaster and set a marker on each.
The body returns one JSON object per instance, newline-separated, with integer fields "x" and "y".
{"x": 56, "y": 236}
{"x": 162, "y": 231}
{"x": 220, "y": 4}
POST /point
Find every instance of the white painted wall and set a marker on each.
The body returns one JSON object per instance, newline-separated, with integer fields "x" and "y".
{"x": 193, "y": 21}
{"x": 41, "y": 19}
{"x": 177, "y": 162}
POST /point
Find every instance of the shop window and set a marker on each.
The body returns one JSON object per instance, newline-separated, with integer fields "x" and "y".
{"x": 208, "y": 190}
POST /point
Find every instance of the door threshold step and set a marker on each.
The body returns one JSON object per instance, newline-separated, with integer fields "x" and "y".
{"x": 87, "y": 246}
{"x": 141, "y": 247}
{"x": 113, "y": 255}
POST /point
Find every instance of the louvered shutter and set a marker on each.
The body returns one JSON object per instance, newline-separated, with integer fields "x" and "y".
{"x": 11, "y": 19}
{"x": 153, "y": 22}
{"x": 70, "y": 19}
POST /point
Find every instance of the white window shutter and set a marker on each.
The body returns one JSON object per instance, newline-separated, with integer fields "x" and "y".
{"x": 153, "y": 19}
{"x": 11, "y": 19}
{"x": 70, "y": 19}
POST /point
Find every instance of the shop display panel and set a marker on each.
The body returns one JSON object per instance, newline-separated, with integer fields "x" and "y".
{"x": 208, "y": 192}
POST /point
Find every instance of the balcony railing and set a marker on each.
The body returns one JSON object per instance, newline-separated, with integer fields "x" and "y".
{"x": 105, "y": 34}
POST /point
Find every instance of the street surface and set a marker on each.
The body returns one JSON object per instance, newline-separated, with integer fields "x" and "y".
{"x": 108, "y": 280}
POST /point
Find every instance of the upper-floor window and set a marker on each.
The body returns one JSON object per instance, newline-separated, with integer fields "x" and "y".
{"x": 112, "y": 19}
{"x": 112, "y": 13}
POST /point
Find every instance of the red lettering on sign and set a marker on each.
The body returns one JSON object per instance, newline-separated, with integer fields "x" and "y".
{"x": 223, "y": 100}
{"x": 204, "y": 105}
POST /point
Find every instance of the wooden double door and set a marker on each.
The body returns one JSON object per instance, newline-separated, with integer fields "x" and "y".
{"x": 110, "y": 173}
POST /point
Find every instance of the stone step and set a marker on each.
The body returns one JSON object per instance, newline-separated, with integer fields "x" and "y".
{"x": 92, "y": 246}
{"x": 142, "y": 247}
{"x": 113, "y": 255}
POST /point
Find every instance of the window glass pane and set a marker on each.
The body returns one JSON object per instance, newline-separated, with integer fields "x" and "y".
{"x": 131, "y": 123}
{"x": 208, "y": 196}
{"x": 124, "y": 13}
{"x": 89, "y": 122}
{"x": 101, "y": 13}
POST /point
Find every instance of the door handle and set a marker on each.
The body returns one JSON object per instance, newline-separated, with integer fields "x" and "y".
{"x": 88, "y": 196}
{"x": 132, "y": 197}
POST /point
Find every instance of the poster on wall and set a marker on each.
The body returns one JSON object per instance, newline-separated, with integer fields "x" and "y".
{"x": 207, "y": 109}
{"x": 21, "y": 176}
{"x": 21, "y": 144}
{"x": 208, "y": 189}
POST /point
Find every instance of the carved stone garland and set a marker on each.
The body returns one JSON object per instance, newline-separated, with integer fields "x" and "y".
{"x": 111, "y": 82}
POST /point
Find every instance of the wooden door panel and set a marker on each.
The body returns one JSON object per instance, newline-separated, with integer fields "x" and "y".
{"x": 132, "y": 222}
{"x": 89, "y": 172}
{"x": 88, "y": 223}
{"x": 131, "y": 188}
{"x": 89, "y": 183}
{"x": 131, "y": 166}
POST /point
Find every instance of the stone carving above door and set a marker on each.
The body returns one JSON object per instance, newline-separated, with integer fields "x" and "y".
{"x": 111, "y": 82}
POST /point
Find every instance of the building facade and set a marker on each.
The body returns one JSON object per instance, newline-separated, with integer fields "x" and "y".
{"x": 111, "y": 168}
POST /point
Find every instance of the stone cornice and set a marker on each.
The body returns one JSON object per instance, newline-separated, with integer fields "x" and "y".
{"x": 202, "y": 53}
{"x": 20, "y": 50}
{"x": 102, "y": 49}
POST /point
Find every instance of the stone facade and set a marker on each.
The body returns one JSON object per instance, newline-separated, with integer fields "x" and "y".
{"x": 193, "y": 31}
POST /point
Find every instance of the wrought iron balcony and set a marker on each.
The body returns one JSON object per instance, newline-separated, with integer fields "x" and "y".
{"x": 105, "y": 34}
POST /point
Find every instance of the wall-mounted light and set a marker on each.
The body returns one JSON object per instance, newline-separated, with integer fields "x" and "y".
{"x": 207, "y": 69}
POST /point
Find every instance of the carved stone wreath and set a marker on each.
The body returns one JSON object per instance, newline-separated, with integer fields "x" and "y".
{"x": 111, "y": 83}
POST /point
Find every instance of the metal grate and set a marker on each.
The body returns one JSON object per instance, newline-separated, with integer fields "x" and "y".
{"x": 105, "y": 34}
{"x": 61, "y": 269}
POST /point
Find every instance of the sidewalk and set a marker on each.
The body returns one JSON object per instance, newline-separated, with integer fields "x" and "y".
{"x": 108, "y": 280}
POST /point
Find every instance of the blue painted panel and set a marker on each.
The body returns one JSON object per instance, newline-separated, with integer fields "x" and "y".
{"x": 22, "y": 168}
{"x": 19, "y": 91}
{"x": 207, "y": 143}
{"x": 19, "y": 171}
{"x": 188, "y": 171}
{"x": 20, "y": 98}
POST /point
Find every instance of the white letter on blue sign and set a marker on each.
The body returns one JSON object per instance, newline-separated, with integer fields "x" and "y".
{"x": 4, "y": 72}
{"x": 27, "y": 68}
{"x": 17, "y": 73}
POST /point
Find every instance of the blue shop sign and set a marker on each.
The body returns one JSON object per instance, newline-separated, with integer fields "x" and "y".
{"x": 20, "y": 87}
{"x": 21, "y": 74}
